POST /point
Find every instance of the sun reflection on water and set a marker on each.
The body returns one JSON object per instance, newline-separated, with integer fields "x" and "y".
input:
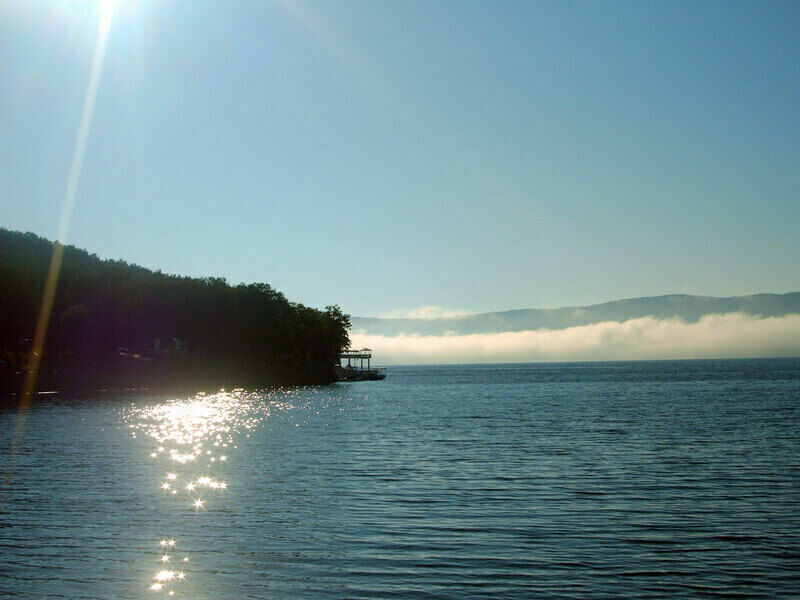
{"x": 192, "y": 439}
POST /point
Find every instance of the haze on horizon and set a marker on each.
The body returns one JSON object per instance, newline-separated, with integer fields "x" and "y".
{"x": 662, "y": 327}
{"x": 392, "y": 157}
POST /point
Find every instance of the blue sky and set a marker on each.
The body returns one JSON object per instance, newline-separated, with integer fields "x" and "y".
{"x": 392, "y": 155}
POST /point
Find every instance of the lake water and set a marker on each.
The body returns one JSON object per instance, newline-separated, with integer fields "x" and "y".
{"x": 596, "y": 480}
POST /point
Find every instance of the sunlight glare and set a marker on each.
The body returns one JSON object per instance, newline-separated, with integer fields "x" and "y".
{"x": 184, "y": 429}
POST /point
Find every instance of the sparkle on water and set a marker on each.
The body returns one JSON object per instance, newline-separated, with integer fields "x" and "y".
{"x": 189, "y": 435}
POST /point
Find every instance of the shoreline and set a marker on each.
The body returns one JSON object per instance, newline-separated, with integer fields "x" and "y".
{"x": 161, "y": 377}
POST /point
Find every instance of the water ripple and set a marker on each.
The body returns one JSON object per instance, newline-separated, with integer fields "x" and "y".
{"x": 640, "y": 480}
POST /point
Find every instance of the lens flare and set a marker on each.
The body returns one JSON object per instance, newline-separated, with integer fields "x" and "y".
{"x": 51, "y": 283}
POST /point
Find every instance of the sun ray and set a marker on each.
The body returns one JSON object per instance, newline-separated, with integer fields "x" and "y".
{"x": 51, "y": 283}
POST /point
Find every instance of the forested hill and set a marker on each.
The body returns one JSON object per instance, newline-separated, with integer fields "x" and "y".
{"x": 115, "y": 324}
{"x": 680, "y": 306}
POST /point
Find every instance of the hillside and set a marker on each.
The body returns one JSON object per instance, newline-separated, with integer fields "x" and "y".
{"x": 686, "y": 307}
{"x": 119, "y": 325}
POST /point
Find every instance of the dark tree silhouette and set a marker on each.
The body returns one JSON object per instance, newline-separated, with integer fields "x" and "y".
{"x": 115, "y": 324}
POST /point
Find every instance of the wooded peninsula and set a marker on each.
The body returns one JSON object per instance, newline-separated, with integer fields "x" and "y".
{"x": 117, "y": 326}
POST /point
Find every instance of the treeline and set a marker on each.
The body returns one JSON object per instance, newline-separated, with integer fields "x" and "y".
{"x": 116, "y": 324}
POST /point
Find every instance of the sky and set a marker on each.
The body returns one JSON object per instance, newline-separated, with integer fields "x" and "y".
{"x": 394, "y": 157}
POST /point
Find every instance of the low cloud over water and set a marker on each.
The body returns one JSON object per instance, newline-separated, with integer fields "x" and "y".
{"x": 425, "y": 312}
{"x": 713, "y": 336}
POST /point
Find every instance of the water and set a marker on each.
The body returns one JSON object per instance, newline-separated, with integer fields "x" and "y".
{"x": 616, "y": 480}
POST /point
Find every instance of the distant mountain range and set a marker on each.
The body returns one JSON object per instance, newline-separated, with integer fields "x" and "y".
{"x": 686, "y": 307}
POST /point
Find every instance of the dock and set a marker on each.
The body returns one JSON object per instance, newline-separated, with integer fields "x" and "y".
{"x": 355, "y": 370}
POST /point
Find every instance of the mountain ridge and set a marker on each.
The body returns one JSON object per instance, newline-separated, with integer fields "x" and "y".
{"x": 690, "y": 308}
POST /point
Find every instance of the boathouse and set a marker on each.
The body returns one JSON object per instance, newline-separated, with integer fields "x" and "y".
{"x": 354, "y": 370}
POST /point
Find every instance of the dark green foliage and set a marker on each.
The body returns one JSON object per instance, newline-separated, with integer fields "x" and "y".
{"x": 107, "y": 309}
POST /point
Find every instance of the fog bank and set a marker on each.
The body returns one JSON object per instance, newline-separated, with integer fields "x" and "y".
{"x": 713, "y": 336}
